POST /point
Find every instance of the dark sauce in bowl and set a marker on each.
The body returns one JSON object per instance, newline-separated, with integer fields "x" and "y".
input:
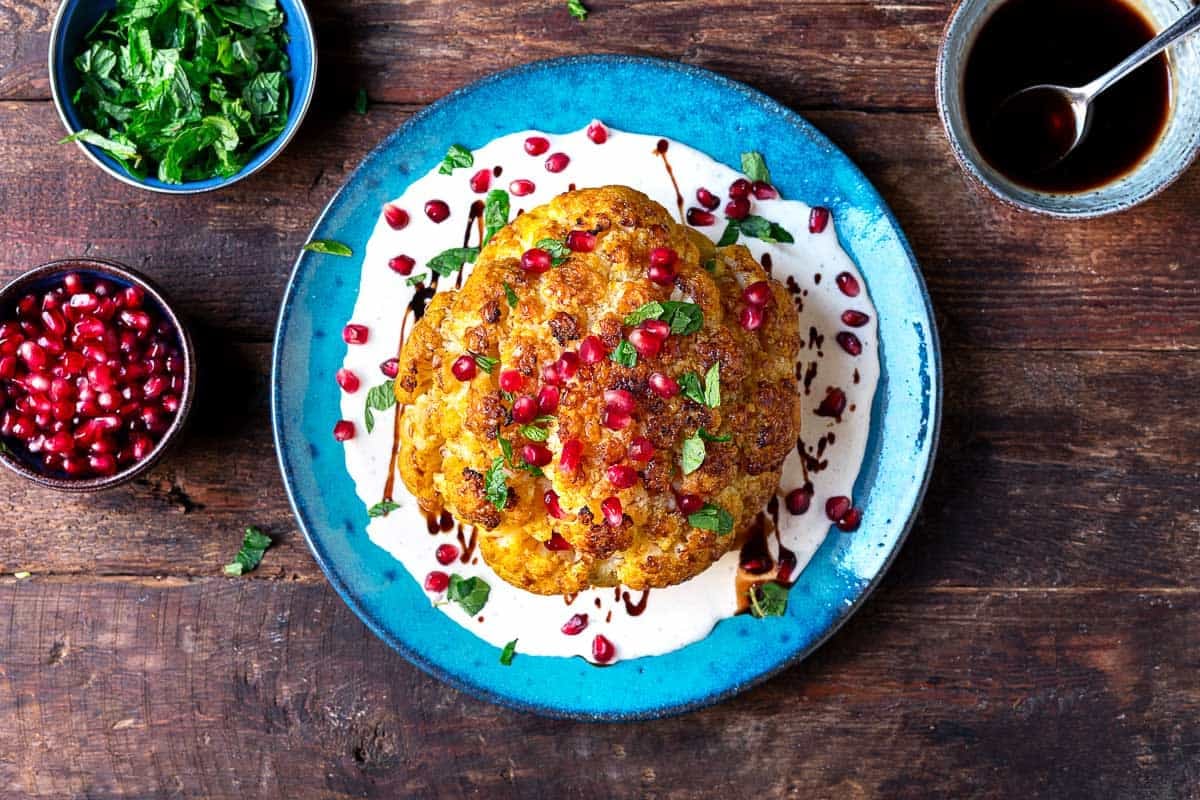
{"x": 1069, "y": 43}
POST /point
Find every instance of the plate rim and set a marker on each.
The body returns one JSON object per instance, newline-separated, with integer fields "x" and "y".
{"x": 479, "y": 690}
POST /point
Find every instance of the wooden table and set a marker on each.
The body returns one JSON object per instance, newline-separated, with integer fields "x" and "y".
{"x": 1039, "y": 635}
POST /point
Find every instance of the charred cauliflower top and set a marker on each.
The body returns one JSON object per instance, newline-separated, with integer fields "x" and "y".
{"x": 702, "y": 451}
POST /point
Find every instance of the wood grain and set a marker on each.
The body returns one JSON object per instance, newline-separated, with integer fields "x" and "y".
{"x": 999, "y": 278}
{"x": 248, "y": 689}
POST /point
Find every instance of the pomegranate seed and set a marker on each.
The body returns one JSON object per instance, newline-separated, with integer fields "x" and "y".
{"x": 390, "y": 368}
{"x": 568, "y": 460}
{"x": 481, "y": 180}
{"x": 27, "y": 305}
{"x": 663, "y": 276}
{"x": 464, "y": 368}
{"x": 83, "y": 303}
{"x": 520, "y": 188}
{"x": 436, "y": 582}
{"x": 140, "y": 446}
{"x": 557, "y": 543}
{"x": 603, "y": 650}
{"x": 597, "y": 133}
{"x": 402, "y": 265}
{"x": 137, "y": 320}
{"x": 102, "y": 464}
{"x": 621, "y": 476}
{"x": 656, "y": 328}
{"x": 738, "y": 208}
{"x": 850, "y": 521}
{"x": 550, "y": 374}
{"x": 437, "y": 210}
{"x": 55, "y": 324}
{"x": 536, "y": 260}
{"x": 525, "y": 409}
{"x": 33, "y": 355}
{"x": 170, "y": 403}
{"x": 536, "y": 454}
{"x": 396, "y": 217}
{"x": 818, "y": 219}
{"x": 581, "y": 241}
{"x": 614, "y": 515}
{"x": 850, "y": 343}
{"x": 740, "y": 189}
{"x": 848, "y": 284}
{"x": 343, "y": 430}
{"x": 707, "y": 199}
{"x": 446, "y": 554}
{"x": 836, "y": 507}
{"x": 751, "y": 317}
{"x": 132, "y": 297}
{"x": 536, "y": 145}
{"x": 547, "y": 399}
{"x": 73, "y": 282}
{"x": 154, "y": 387}
{"x": 641, "y": 449}
{"x": 619, "y": 400}
{"x": 592, "y": 350}
{"x": 663, "y": 385}
{"x": 511, "y": 380}
{"x": 700, "y": 219}
{"x": 833, "y": 405}
{"x": 764, "y": 191}
{"x": 348, "y": 381}
{"x": 355, "y": 334}
{"x": 567, "y": 365}
{"x": 616, "y": 420}
{"x": 557, "y": 162}
{"x": 645, "y": 343}
{"x": 61, "y": 442}
{"x": 575, "y": 625}
{"x": 798, "y": 500}
{"x": 855, "y": 319}
{"x": 758, "y": 294}
{"x": 8, "y": 366}
{"x": 90, "y": 328}
{"x": 689, "y": 503}
{"x": 550, "y": 500}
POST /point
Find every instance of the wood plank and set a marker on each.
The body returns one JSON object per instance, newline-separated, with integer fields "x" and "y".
{"x": 1052, "y": 473}
{"x": 855, "y": 54}
{"x": 999, "y": 278}
{"x": 239, "y": 689}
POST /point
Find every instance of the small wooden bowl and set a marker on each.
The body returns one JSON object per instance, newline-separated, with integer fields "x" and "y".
{"x": 40, "y": 278}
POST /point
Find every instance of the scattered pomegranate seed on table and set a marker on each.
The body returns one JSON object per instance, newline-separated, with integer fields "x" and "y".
{"x": 836, "y": 507}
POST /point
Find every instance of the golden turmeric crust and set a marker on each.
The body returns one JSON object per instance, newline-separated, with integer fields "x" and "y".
{"x": 451, "y": 430}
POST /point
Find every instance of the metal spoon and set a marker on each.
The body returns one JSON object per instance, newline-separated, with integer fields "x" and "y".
{"x": 1065, "y": 112}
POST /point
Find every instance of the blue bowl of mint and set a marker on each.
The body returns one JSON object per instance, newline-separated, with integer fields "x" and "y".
{"x": 182, "y": 96}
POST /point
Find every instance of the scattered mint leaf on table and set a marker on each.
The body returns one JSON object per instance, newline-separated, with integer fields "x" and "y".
{"x": 360, "y": 101}
{"x": 254, "y": 544}
{"x": 329, "y": 247}
{"x": 577, "y": 10}
{"x": 470, "y": 593}
{"x": 457, "y": 157}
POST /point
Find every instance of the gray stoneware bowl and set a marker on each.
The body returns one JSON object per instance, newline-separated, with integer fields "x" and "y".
{"x": 38, "y": 279}
{"x": 1171, "y": 157}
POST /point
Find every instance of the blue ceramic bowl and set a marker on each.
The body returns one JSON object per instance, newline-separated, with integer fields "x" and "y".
{"x": 71, "y": 26}
{"x": 646, "y": 96}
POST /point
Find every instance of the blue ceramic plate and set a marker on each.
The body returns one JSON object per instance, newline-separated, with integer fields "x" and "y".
{"x": 654, "y": 97}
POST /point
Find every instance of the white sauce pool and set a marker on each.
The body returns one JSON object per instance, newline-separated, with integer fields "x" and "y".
{"x": 679, "y": 615}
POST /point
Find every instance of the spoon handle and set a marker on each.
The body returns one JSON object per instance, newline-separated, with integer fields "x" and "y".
{"x": 1186, "y": 24}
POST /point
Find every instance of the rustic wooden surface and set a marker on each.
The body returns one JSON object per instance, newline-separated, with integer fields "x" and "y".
{"x": 1039, "y": 635}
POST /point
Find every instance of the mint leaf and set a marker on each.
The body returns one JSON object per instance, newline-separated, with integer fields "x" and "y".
{"x": 768, "y": 600}
{"x": 506, "y": 655}
{"x": 557, "y": 249}
{"x": 379, "y": 398}
{"x": 712, "y": 518}
{"x": 651, "y": 310}
{"x": 417, "y": 279}
{"x": 577, "y": 10}
{"x": 495, "y": 213}
{"x": 117, "y": 149}
{"x": 451, "y": 261}
{"x": 510, "y": 296}
{"x": 329, "y": 247}
{"x": 708, "y": 437}
{"x": 730, "y": 236}
{"x": 360, "y": 102}
{"x": 689, "y": 384}
{"x": 495, "y": 486}
{"x": 712, "y": 386}
{"x": 684, "y": 318}
{"x": 485, "y": 363}
{"x": 759, "y": 228}
{"x": 382, "y": 508}
{"x": 506, "y": 449}
{"x": 693, "y": 454}
{"x": 470, "y": 593}
{"x": 534, "y": 434}
{"x": 254, "y": 545}
{"x": 456, "y": 157}
{"x": 624, "y": 354}
{"x": 755, "y": 167}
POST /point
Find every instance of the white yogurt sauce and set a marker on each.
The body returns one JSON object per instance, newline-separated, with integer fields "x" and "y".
{"x": 682, "y": 614}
